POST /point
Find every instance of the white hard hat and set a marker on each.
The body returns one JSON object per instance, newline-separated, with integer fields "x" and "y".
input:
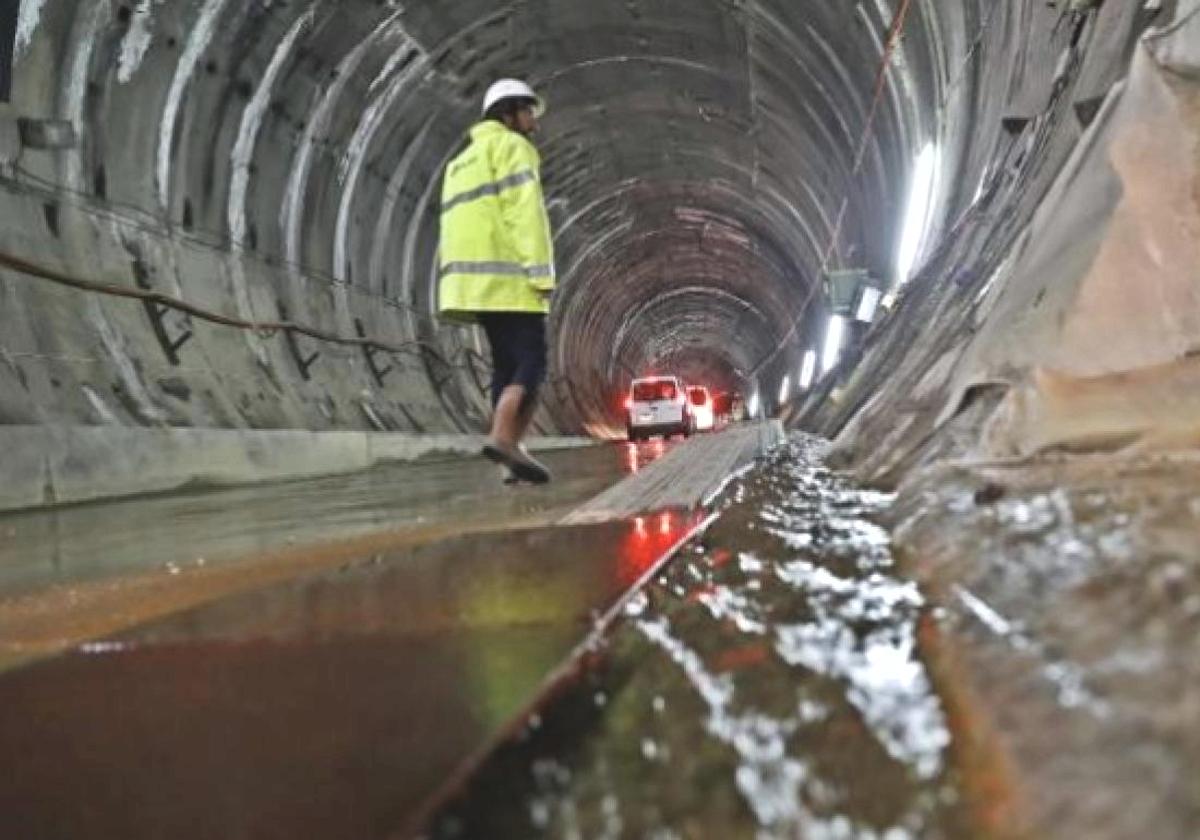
{"x": 513, "y": 89}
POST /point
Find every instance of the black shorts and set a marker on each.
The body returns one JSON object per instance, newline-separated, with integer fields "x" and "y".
{"x": 518, "y": 341}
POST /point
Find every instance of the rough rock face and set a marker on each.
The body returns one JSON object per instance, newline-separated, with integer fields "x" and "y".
{"x": 1041, "y": 426}
{"x": 1083, "y": 335}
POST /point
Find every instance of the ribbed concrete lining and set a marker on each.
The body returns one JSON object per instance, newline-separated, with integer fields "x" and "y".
{"x": 282, "y": 160}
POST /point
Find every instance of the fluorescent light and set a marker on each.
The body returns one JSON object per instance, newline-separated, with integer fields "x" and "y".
{"x": 809, "y": 369}
{"x": 833, "y": 342}
{"x": 785, "y": 389}
{"x": 917, "y": 216}
{"x": 868, "y": 304}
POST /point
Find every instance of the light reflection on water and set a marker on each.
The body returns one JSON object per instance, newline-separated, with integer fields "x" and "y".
{"x": 766, "y": 685}
{"x": 860, "y": 631}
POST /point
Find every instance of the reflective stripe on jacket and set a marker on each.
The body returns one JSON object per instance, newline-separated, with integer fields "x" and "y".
{"x": 497, "y": 254}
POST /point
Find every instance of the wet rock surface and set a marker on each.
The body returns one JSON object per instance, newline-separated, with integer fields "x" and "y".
{"x": 768, "y": 684}
{"x": 1068, "y": 631}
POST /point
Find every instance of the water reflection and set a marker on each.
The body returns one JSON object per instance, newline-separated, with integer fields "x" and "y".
{"x": 647, "y": 538}
{"x": 637, "y": 456}
{"x": 767, "y": 685}
{"x": 326, "y": 707}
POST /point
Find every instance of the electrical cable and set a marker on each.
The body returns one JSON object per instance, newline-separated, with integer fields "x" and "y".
{"x": 885, "y": 62}
{"x": 267, "y": 328}
{"x": 137, "y": 217}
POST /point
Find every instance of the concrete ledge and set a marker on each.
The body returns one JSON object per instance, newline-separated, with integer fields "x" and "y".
{"x": 686, "y": 476}
{"x": 48, "y": 465}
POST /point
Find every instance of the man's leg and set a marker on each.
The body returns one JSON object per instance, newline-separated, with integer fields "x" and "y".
{"x": 508, "y": 420}
{"x": 530, "y": 372}
{"x": 525, "y": 412}
{"x": 504, "y": 445}
{"x": 504, "y": 368}
{"x": 523, "y": 343}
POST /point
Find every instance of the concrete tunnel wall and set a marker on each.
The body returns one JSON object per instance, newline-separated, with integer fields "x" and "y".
{"x": 703, "y": 160}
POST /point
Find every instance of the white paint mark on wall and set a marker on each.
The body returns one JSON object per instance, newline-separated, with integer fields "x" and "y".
{"x": 398, "y": 56}
{"x": 197, "y": 43}
{"x": 351, "y": 164}
{"x": 368, "y": 124}
{"x": 28, "y": 18}
{"x": 137, "y": 40}
{"x": 104, "y": 414}
{"x": 252, "y": 117}
{"x": 116, "y": 344}
{"x": 293, "y": 203}
{"x": 387, "y": 211}
{"x": 79, "y": 65}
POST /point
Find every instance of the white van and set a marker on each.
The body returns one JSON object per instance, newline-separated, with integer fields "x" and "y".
{"x": 658, "y": 405}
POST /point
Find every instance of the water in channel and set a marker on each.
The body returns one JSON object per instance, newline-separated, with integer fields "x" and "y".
{"x": 768, "y": 684}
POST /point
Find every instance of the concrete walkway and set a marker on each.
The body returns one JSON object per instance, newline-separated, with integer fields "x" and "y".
{"x": 55, "y": 465}
{"x": 684, "y": 477}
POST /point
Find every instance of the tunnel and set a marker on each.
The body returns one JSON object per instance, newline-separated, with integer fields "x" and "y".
{"x": 705, "y": 168}
{"x": 219, "y": 231}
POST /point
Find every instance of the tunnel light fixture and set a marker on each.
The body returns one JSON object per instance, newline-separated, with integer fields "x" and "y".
{"x": 915, "y": 229}
{"x": 808, "y": 369}
{"x": 785, "y": 389}
{"x": 868, "y": 304}
{"x": 833, "y": 343}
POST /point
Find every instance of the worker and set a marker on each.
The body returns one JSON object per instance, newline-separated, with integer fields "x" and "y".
{"x": 497, "y": 262}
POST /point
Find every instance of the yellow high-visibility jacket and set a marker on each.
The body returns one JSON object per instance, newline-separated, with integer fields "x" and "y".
{"x": 497, "y": 254}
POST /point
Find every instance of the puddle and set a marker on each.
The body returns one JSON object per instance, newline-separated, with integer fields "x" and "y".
{"x": 329, "y": 706}
{"x": 766, "y": 685}
{"x": 178, "y": 532}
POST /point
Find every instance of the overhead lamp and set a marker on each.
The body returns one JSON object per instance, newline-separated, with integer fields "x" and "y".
{"x": 918, "y": 215}
{"x": 853, "y": 293}
{"x": 808, "y": 369}
{"x": 833, "y": 342}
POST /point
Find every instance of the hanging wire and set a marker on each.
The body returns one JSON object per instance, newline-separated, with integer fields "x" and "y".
{"x": 137, "y": 218}
{"x": 29, "y": 269}
{"x": 894, "y": 33}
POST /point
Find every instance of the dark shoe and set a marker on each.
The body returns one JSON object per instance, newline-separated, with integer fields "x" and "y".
{"x": 523, "y": 465}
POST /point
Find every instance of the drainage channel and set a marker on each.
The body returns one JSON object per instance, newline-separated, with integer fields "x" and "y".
{"x": 768, "y": 683}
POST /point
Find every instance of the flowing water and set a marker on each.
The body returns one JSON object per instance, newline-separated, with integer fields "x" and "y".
{"x": 768, "y": 684}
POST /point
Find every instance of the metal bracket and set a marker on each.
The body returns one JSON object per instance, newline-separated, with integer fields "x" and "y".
{"x": 370, "y": 351}
{"x": 484, "y": 388}
{"x": 304, "y": 363}
{"x": 157, "y": 314}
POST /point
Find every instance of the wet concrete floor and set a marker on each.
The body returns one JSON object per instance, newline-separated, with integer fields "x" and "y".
{"x": 770, "y": 683}
{"x": 327, "y": 706}
{"x": 998, "y": 652}
{"x": 74, "y": 573}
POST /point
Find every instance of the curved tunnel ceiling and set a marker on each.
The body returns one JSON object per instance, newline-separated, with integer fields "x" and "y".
{"x": 704, "y": 160}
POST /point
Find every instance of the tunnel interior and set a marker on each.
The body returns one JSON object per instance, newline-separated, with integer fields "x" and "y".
{"x": 218, "y": 265}
{"x": 704, "y": 164}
